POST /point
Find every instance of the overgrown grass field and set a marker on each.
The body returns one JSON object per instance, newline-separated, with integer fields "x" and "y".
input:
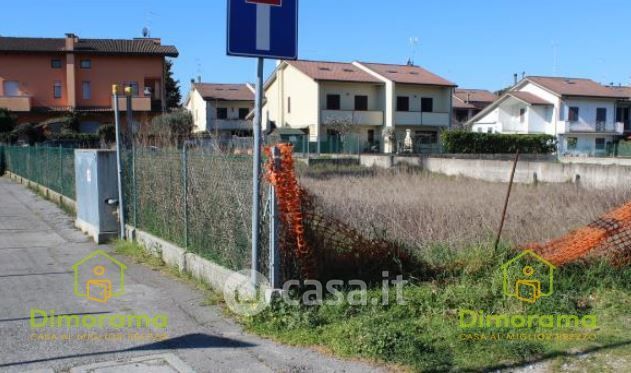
{"x": 450, "y": 224}
{"x": 423, "y": 210}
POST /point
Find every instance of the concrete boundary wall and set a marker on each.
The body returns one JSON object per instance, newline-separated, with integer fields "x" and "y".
{"x": 174, "y": 256}
{"x": 594, "y": 176}
{"x": 49, "y": 194}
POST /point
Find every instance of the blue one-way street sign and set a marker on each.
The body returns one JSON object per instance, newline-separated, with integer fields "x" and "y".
{"x": 263, "y": 28}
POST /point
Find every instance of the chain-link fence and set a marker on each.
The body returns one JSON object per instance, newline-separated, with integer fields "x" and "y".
{"x": 52, "y": 167}
{"x": 198, "y": 197}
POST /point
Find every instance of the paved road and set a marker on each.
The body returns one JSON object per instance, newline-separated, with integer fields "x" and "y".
{"x": 38, "y": 246}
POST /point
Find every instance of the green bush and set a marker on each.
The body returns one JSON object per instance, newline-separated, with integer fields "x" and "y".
{"x": 461, "y": 142}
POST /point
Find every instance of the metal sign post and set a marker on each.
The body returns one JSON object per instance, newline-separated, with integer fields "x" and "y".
{"x": 119, "y": 166}
{"x": 256, "y": 179}
{"x": 261, "y": 29}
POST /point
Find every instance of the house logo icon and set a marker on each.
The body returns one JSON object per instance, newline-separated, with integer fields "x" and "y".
{"x": 528, "y": 277}
{"x": 99, "y": 277}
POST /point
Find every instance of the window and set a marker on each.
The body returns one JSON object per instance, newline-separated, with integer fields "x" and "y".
{"x": 573, "y": 114}
{"x": 289, "y": 105}
{"x": 57, "y": 89}
{"x": 601, "y": 115}
{"x": 222, "y": 113}
{"x": 522, "y": 115}
{"x": 361, "y": 103}
{"x": 85, "y": 64}
{"x": 427, "y": 105}
{"x": 572, "y": 142}
{"x": 600, "y": 144}
{"x": 55, "y": 63}
{"x": 11, "y": 88}
{"x": 333, "y": 102}
{"x": 86, "y": 88}
{"x": 403, "y": 103}
{"x": 243, "y": 113}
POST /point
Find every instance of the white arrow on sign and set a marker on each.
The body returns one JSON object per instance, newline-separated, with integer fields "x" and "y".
{"x": 263, "y": 22}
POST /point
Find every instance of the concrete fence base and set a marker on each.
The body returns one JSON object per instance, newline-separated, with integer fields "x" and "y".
{"x": 49, "y": 194}
{"x": 174, "y": 256}
{"x": 588, "y": 175}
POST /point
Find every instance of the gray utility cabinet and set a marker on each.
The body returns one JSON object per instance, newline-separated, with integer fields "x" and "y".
{"x": 96, "y": 174}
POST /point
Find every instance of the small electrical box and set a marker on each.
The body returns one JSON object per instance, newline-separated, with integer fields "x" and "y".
{"x": 97, "y": 193}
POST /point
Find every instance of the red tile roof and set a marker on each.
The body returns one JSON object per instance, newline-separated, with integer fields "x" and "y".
{"x": 624, "y": 90}
{"x": 529, "y": 98}
{"x": 408, "y": 74}
{"x": 457, "y": 104}
{"x": 92, "y": 46}
{"x": 334, "y": 71}
{"x": 474, "y": 95}
{"x": 224, "y": 92}
{"x": 575, "y": 87}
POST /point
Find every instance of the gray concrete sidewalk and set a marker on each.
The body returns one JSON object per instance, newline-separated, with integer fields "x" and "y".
{"x": 39, "y": 245}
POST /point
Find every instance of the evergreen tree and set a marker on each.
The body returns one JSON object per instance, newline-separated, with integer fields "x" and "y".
{"x": 172, "y": 88}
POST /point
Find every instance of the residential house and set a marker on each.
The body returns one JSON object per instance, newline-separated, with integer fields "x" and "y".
{"x": 330, "y": 99}
{"x": 585, "y": 117}
{"x": 467, "y": 103}
{"x": 221, "y": 109}
{"x": 44, "y": 78}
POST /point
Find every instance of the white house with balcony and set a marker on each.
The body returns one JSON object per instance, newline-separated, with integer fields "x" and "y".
{"x": 322, "y": 97}
{"x": 221, "y": 109}
{"x": 583, "y": 115}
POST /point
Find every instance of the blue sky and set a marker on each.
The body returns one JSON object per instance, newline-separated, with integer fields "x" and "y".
{"x": 476, "y": 44}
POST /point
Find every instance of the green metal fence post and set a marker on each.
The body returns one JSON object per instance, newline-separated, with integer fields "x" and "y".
{"x": 61, "y": 170}
{"x": 185, "y": 186}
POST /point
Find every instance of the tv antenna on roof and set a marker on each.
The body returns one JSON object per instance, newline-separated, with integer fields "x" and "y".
{"x": 414, "y": 40}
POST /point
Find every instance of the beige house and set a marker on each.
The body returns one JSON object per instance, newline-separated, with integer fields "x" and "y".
{"x": 221, "y": 109}
{"x": 377, "y": 104}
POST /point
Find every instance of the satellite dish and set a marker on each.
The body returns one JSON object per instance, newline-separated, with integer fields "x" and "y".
{"x": 145, "y": 32}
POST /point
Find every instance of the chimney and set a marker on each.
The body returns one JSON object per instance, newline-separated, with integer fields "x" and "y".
{"x": 523, "y": 75}
{"x": 71, "y": 40}
{"x": 515, "y": 78}
{"x": 468, "y": 97}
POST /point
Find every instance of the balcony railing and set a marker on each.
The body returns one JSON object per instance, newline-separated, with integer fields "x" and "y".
{"x": 368, "y": 118}
{"x": 16, "y": 103}
{"x": 229, "y": 124}
{"x": 137, "y": 103}
{"x": 416, "y": 118}
{"x": 601, "y": 127}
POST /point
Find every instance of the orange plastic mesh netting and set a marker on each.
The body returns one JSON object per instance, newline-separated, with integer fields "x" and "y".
{"x": 609, "y": 236}
{"x": 316, "y": 245}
